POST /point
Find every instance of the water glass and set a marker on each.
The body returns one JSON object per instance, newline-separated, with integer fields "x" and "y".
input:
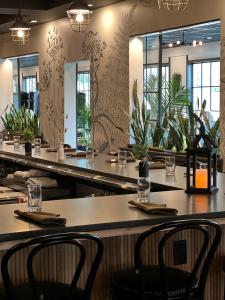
{"x": 34, "y": 197}
{"x": 37, "y": 145}
{"x": 90, "y": 153}
{"x": 143, "y": 189}
{"x": 1, "y": 138}
{"x": 16, "y": 142}
{"x": 170, "y": 165}
{"x": 122, "y": 158}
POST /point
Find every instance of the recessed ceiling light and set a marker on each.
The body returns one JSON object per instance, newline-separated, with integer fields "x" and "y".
{"x": 209, "y": 38}
{"x": 33, "y": 21}
{"x": 90, "y": 5}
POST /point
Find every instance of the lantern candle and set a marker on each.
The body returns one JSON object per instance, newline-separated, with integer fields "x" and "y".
{"x": 201, "y": 179}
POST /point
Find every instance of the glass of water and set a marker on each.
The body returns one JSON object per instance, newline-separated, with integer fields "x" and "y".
{"x": 143, "y": 189}
{"x": 16, "y": 141}
{"x": 122, "y": 158}
{"x": 37, "y": 145}
{"x": 90, "y": 153}
{"x": 34, "y": 197}
{"x": 170, "y": 165}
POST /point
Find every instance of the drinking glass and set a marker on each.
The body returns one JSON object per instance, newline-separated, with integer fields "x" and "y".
{"x": 34, "y": 197}
{"x": 16, "y": 141}
{"x": 1, "y": 138}
{"x": 90, "y": 153}
{"x": 37, "y": 145}
{"x": 170, "y": 165}
{"x": 122, "y": 158}
{"x": 143, "y": 189}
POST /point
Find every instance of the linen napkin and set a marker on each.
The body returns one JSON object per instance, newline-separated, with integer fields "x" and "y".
{"x": 115, "y": 160}
{"x": 154, "y": 209}
{"x": 43, "y": 218}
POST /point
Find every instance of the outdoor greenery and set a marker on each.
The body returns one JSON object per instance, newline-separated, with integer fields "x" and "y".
{"x": 84, "y": 122}
{"x": 16, "y": 121}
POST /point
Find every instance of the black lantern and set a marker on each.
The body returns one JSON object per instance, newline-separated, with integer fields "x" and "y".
{"x": 202, "y": 151}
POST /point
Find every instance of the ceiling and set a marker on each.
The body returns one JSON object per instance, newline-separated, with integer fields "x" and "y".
{"x": 206, "y": 32}
{"x": 41, "y": 10}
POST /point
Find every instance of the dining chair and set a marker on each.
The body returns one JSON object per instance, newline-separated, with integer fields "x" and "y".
{"x": 163, "y": 281}
{"x": 52, "y": 289}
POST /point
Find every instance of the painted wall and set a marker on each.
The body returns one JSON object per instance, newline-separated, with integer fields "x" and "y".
{"x": 106, "y": 45}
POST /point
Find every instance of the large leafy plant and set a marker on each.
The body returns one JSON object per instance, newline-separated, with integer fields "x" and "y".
{"x": 15, "y": 120}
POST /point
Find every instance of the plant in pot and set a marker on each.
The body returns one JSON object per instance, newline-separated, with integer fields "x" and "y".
{"x": 28, "y": 137}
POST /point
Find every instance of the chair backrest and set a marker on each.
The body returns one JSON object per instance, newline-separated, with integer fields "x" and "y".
{"x": 211, "y": 233}
{"x": 39, "y": 243}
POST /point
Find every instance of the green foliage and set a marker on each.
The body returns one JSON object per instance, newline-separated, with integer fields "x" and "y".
{"x": 84, "y": 123}
{"x": 27, "y": 135}
{"x": 15, "y": 121}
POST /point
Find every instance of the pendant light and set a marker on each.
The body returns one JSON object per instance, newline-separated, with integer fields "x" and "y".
{"x": 20, "y": 30}
{"x": 173, "y": 5}
{"x": 79, "y": 14}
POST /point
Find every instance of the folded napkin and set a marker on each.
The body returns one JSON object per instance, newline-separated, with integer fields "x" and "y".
{"x": 65, "y": 149}
{"x": 115, "y": 160}
{"x": 157, "y": 165}
{"x": 42, "y": 218}
{"x": 77, "y": 154}
{"x": 154, "y": 209}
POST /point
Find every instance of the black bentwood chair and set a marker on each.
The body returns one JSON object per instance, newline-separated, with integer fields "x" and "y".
{"x": 161, "y": 281}
{"x": 49, "y": 290}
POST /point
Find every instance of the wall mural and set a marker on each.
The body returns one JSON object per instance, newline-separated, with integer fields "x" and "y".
{"x": 52, "y": 89}
{"x": 222, "y": 102}
{"x": 93, "y": 48}
{"x": 111, "y": 97}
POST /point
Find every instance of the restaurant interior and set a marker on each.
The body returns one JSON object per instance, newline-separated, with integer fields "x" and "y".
{"x": 112, "y": 143}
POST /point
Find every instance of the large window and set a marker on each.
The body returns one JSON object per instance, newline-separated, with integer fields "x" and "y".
{"x": 29, "y": 84}
{"x": 151, "y": 86}
{"x": 205, "y": 84}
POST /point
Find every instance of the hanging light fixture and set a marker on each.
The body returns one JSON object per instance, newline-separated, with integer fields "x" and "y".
{"x": 79, "y": 14}
{"x": 20, "y": 30}
{"x": 173, "y": 5}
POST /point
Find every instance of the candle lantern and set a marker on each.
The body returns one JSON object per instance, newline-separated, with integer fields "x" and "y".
{"x": 202, "y": 152}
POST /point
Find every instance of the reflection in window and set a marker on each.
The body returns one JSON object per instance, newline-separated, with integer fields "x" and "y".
{"x": 206, "y": 86}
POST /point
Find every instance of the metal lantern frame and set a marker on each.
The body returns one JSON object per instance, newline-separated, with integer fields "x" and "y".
{"x": 173, "y": 5}
{"x": 79, "y": 9}
{"x": 20, "y": 30}
{"x": 209, "y": 153}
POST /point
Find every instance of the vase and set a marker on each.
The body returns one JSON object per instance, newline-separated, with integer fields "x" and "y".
{"x": 28, "y": 148}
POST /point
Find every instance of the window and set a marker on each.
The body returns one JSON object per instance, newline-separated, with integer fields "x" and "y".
{"x": 205, "y": 84}
{"x": 151, "y": 87}
{"x": 83, "y": 109}
{"x": 29, "y": 84}
{"x": 83, "y": 86}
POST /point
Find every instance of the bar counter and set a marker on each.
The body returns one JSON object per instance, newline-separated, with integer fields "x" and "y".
{"x": 111, "y": 217}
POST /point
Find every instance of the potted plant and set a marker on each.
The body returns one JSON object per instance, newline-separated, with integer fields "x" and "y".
{"x": 28, "y": 137}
